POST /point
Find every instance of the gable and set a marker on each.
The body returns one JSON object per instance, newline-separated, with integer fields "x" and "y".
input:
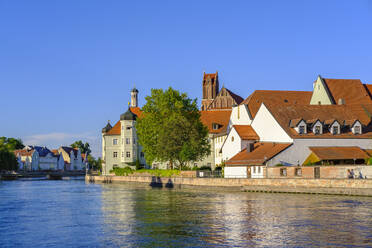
{"x": 225, "y": 99}
{"x": 321, "y": 95}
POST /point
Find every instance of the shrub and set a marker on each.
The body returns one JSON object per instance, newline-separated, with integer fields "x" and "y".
{"x": 204, "y": 167}
{"x": 122, "y": 171}
{"x": 159, "y": 173}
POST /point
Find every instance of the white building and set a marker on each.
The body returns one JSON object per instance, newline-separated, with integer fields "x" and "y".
{"x": 291, "y": 125}
{"x": 33, "y": 158}
{"x": 72, "y": 157}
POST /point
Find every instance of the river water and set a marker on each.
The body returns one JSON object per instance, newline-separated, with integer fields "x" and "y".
{"x": 72, "y": 213}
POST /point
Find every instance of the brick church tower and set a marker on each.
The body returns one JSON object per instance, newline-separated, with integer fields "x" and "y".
{"x": 210, "y": 89}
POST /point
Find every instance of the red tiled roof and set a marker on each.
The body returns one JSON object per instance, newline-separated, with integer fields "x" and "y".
{"x": 275, "y": 98}
{"x": 246, "y": 132}
{"x": 221, "y": 117}
{"x": 325, "y": 113}
{"x": 369, "y": 89}
{"x": 338, "y": 153}
{"x": 210, "y": 75}
{"x": 352, "y": 91}
{"x": 115, "y": 130}
{"x": 261, "y": 153}
{"x": 22, "y": 152}
{"x": 137, "y": 111}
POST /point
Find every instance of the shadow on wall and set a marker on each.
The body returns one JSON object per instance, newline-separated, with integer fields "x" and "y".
{"x": 156, "y": 182}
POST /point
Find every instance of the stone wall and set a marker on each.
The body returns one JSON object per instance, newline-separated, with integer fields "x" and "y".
{"x": 324, "y": 186}
{"x": 335, "y": 172}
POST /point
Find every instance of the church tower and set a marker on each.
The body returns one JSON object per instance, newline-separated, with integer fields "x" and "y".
{"x": 210, "y": 89}
{"x": 134, "y": 98}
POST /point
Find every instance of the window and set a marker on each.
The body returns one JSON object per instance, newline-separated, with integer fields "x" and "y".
{"x": 254, "y": 169}
{"x": 301, "y": 129}
{"x": 128, "y": 154}
{"x": 335, "y": 129}
{"x": 259, "y": 169}
{"x": 128, "y": 127}
{"x": 127, "y": 141}
{"x": 317, "y": 129}
{"x": 283, "y": 172}
{"x": 134, "y": 140}
{"x": 115, "y": 141}
{"x": 142, "y": 155}
{"x": 115, "y": 154}
{"x": 357, "y": 130}
{"x": 298, "y": 172}
{"x": 232, "y": 138}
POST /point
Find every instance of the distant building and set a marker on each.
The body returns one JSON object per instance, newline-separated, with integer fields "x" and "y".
{"x": 72, "y": 157}
{"x": 33, "y": 158}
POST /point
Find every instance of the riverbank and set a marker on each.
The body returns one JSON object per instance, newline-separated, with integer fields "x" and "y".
{"x": 359, "y": 187}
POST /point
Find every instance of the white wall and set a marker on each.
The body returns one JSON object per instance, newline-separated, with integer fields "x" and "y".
{"x": 267, "y": 128}
{"x": 299, "y": 150}
{"x": 240, "y": 116}
{"x": 257, "y": 171}
{"x": 231, "y": 148}
{"x": 235, "y": 172}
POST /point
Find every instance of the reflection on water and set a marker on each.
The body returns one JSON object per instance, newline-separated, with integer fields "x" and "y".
{"x": 75, "y": 214}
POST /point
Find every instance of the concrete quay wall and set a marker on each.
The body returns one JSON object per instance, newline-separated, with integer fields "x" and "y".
{"x": 361, "y": 187}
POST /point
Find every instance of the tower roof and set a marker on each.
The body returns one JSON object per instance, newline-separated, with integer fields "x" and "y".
{"x": 134, "y": 90}
{"x": 128, "y": 116}
{"x": 107, "y": 127}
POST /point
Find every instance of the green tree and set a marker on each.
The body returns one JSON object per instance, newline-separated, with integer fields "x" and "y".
{"x": 11, "y": 144}
{"x": 8, "y": 160}
{"x": 96, "y": 164}
{"x": 83, "y": 147}
{"x": 170, "y": 128}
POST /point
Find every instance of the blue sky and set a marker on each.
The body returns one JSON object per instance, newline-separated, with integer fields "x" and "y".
{"x": 66, "y": 67}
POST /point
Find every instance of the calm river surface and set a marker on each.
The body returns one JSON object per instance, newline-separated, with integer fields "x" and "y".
{"x": 71, "y": 213}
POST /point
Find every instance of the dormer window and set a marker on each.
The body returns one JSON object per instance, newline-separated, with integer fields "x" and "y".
{"x": 335, "y": 129}
{"x": 356, "y": 127}
{"x": 317, "y": 129}
{"x": 301, "y": 129}
{"x": 216, "y": 126}
{"x": 357, "y": 130}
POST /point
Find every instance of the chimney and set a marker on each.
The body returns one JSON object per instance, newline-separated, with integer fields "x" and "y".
{"x": 341, "y": 101}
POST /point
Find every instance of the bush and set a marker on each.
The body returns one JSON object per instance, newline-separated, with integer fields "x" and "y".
{"x": 122, "y": 171}
{"x": 204, "y": 167}
{"x": 160, "y": 173}
{"x": 279, "y": 165}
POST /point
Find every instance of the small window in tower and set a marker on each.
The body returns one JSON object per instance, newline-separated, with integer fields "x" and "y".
{"x": 128, "y": 154}
{"x": 115, "y": 141}
{"x": 115, "y": 154}
{"x": 128, "y": 127}
{"x": 127, "y": 141}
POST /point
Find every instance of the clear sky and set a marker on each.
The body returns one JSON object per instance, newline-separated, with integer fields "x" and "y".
{"x": 66, "y": 67}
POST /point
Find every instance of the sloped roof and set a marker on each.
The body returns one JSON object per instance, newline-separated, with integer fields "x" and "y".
{"x": 351, "y": 90}
{"x": 261, "y": 153}
{"x": 115, "y": 130}
{"x": 325, "y": 113}
{"x": 69, "y": 149}
{"x": 369, "y": 89}
{"x": 23, "y": 152}
{"x": 238, "y": 99}
{"x": 276, "y": 97}
{"x": 338, "y": 153}
{"x": 221, "y": 117}
{"x": 246, "y": 132}
{"x": 137, "y": 111}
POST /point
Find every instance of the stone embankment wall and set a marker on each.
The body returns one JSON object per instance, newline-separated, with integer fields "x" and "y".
{"x": 328, "y": 172}
{"x": 321, "y": 186}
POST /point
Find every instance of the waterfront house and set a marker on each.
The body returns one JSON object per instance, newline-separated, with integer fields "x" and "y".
{"x": 72, "y": 158}
{"x": 33, "y": 158}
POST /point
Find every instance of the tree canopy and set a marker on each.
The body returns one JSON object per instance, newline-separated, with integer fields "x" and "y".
{"x": 170, "y": 128}
{"x": 83, "y": 147}
{"x": 8, "y": 160}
